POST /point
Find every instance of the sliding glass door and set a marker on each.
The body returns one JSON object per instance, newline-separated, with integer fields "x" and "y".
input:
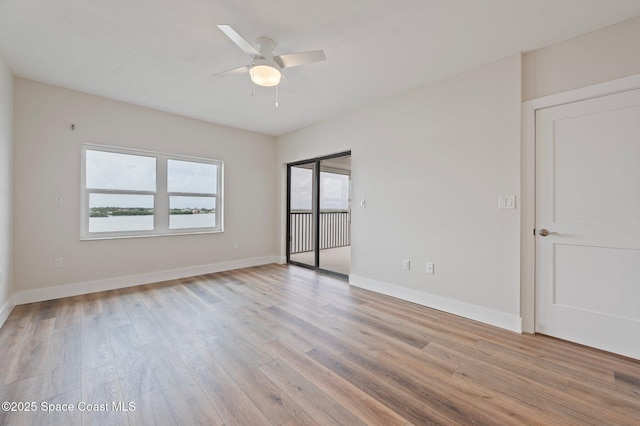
{"x": 335, "y": 215}
{"x": 319, "y": 215}
{"x": 302, "y": 205}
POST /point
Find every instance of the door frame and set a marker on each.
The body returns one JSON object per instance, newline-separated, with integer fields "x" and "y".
{"x": 528, "y": 182}
{"x": 315, "y": 212}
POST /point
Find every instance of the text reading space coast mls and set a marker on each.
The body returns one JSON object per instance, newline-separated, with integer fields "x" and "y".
{"x": 48, "y": 407}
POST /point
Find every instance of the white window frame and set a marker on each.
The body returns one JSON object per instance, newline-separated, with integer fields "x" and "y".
{"x": 161, "y": 196}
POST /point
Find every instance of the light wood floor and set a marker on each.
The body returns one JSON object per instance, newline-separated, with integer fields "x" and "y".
{"x": 285, "y": 346}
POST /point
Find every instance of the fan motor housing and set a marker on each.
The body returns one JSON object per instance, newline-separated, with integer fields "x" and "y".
{"x": 265, "y": 45}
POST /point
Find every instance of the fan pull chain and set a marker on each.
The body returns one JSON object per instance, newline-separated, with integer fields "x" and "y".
{"x": 277, "y": 96}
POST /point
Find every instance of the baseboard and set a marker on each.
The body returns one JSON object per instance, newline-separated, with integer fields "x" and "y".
{"x": 5, "y": 311}
{"x": 76, "y": 289}
{"x": 467, "y": 310}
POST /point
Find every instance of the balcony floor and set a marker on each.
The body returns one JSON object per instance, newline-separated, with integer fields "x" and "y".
{"x": 335, "y": 259}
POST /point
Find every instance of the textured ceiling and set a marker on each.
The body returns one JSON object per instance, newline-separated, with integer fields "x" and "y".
{"x": 161, "y": 53}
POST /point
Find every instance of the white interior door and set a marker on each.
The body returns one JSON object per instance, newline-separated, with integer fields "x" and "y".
{"x": 588, "y": 198}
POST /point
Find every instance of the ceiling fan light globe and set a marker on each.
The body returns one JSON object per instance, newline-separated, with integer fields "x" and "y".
{"x": 265, "y": 75}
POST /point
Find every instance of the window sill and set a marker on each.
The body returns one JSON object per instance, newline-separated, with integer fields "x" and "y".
{"x": 168, "y": 234}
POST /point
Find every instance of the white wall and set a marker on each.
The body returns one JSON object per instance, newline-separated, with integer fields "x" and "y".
{"x": 6, "y": 171}
{"x": 596, "y": 57}
{"x": 47, "y": 165}
{"x": 431, "y": 164}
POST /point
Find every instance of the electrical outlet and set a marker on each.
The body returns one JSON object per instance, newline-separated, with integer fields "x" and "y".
{"x": 406, "y": 264}
{"x": 429, "y": 269}
{"x": 59, "y": 202}
{"x": 507, "y": 202}
{"x": 58, "y": 262}
{"x": 235, "y": 244}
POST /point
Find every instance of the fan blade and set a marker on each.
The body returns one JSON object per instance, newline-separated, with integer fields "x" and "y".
{"x": 239, "y": 41}
{"x": 295, "y": 59}
{"x": 235, "y": 71}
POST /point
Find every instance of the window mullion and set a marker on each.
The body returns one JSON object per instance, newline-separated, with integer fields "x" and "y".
{"x": 118, "y": 191}
{"x": 190, "y": 194}
{"x": 161, "y": 212}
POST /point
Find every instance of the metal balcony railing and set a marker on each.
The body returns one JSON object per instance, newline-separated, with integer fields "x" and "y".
{"x": 335, "y": 230}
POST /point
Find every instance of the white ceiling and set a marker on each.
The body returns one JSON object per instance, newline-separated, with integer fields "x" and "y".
{"x": 161, "y": 53}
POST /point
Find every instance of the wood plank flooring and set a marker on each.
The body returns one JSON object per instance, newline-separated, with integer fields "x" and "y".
{"x": 281, "y": 345}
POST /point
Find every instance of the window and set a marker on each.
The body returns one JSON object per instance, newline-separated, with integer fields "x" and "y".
{"x": 334, "y": 191}
{"x": 192, "y": 189}
{"x": 128, "y": 193}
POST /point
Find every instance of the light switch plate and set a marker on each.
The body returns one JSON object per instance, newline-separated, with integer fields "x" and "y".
{"x": 429, "y": 268}
{"x": 507, "y": 202}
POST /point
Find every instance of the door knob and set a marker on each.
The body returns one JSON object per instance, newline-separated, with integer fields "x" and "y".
{"x": 544, "y": 232}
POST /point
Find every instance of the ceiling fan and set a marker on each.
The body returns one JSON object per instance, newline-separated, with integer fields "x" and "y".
{"x": 266, "y": 69}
